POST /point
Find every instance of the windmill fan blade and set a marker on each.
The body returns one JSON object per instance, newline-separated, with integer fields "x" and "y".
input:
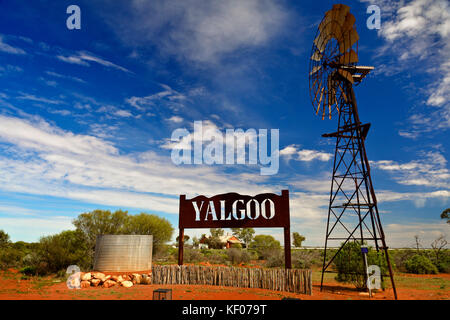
{"x": 333, "y": 96}
{"x": 315, "y": 69}
{"x": 320, "y": 100}
{"x": 349, "y": 22}
{"x": 330, "y": 99}
{"x": 317, "y": 56}
{"x": 340, "y": 11}
{"x": 348, "y": 58}
{"x": 319, "y": 87}
{"x": 349, "y": 40}
{"x": 321, "y": 41}
{"x": 323, "y": 109}
{"x": 331, "y": 28}
{"x": 326, "y": 20}
{"x": 347, "y": 75}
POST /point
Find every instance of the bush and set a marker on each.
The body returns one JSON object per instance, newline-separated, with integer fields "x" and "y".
{"x": 97, "y": 222}
{"x": 275, "y": 259}
{"x": 216, "y": 256}
{"x": 192, "y": 255}
{"x": 420, "y": 264}
{"x": 10, "y": 258}
{"x": 59, "y": 251}
{"x": 266, "y": 246}
{"x": 237, "y": 256}
{"x": 349, "y": 264}
{"x": 28, "y": 271}
{"x": 305, "y": 259}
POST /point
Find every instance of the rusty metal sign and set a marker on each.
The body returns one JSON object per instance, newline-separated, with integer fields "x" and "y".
{"x": 232, "y": 210}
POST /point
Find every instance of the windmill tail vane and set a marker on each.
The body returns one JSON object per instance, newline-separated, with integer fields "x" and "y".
{"x": 353, "y": 210}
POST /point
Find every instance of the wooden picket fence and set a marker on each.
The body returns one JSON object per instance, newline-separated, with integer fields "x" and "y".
{"x": 290, "y": 280}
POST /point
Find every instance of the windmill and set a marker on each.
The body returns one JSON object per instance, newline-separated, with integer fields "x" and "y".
{"x": 352, "y": 212}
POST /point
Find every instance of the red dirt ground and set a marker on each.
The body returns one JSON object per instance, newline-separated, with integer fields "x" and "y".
{"x": 409, "y": 287}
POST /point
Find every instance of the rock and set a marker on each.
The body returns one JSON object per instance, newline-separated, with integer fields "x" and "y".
{"x": 127, "y": 284}
{"x": 115, "y": 278}
{"x": 86, "y": 276}
{"x": 99, "y": 275}
{"x": 106, "y": 278}
{"x": 95, "y": 282}
{"x": 85, "y": 284}
{"x": 109, "y": 283}
{"x": 137, "y": 278}
{"x": 126, "y": 277}
{"x": 146, "y": 279}
{"x": 364, "y": 294}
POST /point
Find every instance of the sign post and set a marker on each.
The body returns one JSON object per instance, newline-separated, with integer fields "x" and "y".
{"x": 232, "y": 210}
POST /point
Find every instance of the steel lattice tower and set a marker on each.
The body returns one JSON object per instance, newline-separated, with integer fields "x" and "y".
{"x": 353, "y": 212}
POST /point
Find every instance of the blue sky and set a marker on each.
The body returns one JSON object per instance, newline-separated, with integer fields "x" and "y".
{"x": 86, "y": 115}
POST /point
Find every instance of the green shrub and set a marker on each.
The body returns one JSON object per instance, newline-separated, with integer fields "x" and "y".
{"x": 59, "y": 251}
{"x": 275, "y": 259}
{"x": 237, "y": 256}
{"x": 349, "y": 264}
{"x": 28, "y": 271}
{"x": 305, "y": 259}
{"x": 10, "y": 258}
{"x": 192, "y": 255}
{"x": 266, "y": 246}
{"x": 217, "y": 256}
{"x": 420, "y": 264}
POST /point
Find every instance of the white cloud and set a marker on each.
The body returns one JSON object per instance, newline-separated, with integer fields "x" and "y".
{"x": 167, "y": 98}
{"x": 204, "y": 31}
{"x": 31, "y": 229}
{"x": 292, "y": 152}
{"x": 175, "y": 119}
{"x": 429, "y": 171}
{"x": 83, "y": 58}
{"x": 418, "y": 198}
{"x": 4, "y": 47}
{"x": 32, "y": 97}
{"x": 61, "y": 76}
{"x": 44, "y": 159}
{"x": 417, "y": 33}
{"x": 402, "y": 235}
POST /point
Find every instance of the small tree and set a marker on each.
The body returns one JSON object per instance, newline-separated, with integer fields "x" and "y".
{"x": 420, "y": 264}
{"x": 446, "y": 215}
{"x": 99, "y": 222}
{"x": 214, "y": 241}
{"x": 438, "y": 245}
{"x": 298, "y": 239}
{"x": 59, "y": 251}
{"x": 195, "y": 242}
{"x": 349, "y": 264}
{"x": 417, "y": 242}
{"x": 265, "y": 246}
{"x": 244, "y": 234}
{"x": 4, "y": 239}
{"x": 185, "y": 239}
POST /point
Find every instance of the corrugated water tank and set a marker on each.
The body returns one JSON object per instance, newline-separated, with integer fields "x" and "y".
{"x": 123, "y": 253}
